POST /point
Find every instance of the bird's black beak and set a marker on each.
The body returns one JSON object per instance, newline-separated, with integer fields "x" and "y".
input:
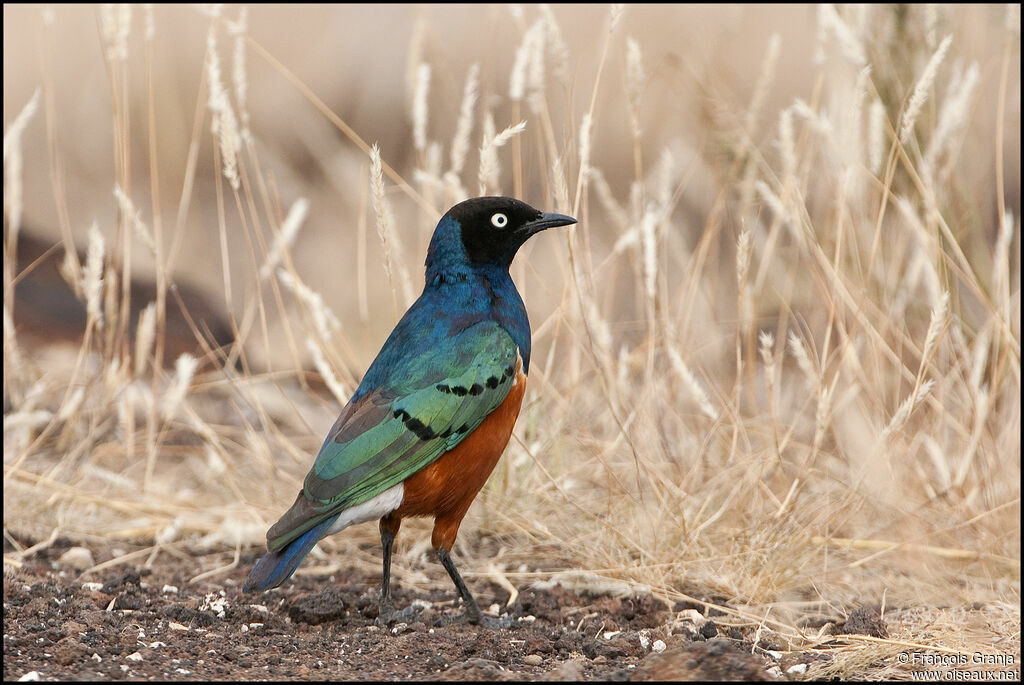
{"x": 547, "y": 220}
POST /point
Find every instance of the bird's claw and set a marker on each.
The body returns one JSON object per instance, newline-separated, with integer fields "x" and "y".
{"x": 388, "y": 616}
{"x": 502, "y": 623}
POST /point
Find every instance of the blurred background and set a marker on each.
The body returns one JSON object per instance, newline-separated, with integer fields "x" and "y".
{"x": 786, "y": 328}
{"x": 360, "y": 61}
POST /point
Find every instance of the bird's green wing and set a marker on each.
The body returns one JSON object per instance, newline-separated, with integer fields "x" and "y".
{"x": 424, "y": 407}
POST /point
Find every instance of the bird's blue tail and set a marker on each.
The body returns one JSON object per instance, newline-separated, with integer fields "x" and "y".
{"x": 276, "y": 567}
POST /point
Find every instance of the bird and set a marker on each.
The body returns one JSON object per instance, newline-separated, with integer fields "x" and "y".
{"x": 435, "y": 409}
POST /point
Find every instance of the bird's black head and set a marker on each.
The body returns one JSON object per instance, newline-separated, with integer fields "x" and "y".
{"x": 494, "y": 228}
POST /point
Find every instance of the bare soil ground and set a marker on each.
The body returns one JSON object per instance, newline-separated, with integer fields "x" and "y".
{"x": 132, "y": 622}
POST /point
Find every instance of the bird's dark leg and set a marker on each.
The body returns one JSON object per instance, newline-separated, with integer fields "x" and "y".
{"x": 473, "y": 613}
{"x": 385, "y": 609}
{"x": 386, "y": 613}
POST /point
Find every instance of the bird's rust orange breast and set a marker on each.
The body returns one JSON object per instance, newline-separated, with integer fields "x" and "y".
{"x": 447, "y": 487}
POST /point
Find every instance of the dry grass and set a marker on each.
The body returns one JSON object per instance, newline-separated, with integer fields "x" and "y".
{"x": 777, "y": 363}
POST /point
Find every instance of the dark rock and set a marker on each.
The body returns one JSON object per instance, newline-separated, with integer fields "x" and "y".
{"x": 615, "y": 648}
{"x": 130, "y": 599}
{"x": 478, "y": 669}
{"x": 129, "y": 577}
{"x": 188, "y": 617}
{"x": 865, "y": 620}
{"x": 714, "y": 660}
{"x": 567, "y": 672}
{"x": 69, "y": 651}
{"x": 318, "y": 608}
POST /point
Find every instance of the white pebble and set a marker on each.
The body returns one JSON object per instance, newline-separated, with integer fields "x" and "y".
{"x": 31, "y": 676}
{"x": 216, "y": 604}
{"x": 92, "y": 587}
{"x": 797, "y": 669}
{"x": 77, "y": 557}
{"x": 693, "y": 616}
{"x": 170, "y": 589}
{"x": 134, "y": 657}
{"x": 658, "y": 646}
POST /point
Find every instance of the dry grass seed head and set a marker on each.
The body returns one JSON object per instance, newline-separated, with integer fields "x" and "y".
{"x": 921, "y": 89}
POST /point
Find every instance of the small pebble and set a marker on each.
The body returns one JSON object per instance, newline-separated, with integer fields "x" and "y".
{"x": 797, "y": 669}
{"x": 77, "y": 557}
{"x": 533, "y": 659}
{"x": 570, "y": 671}
{"x": 30, "y": 677}
{"x": 658, "y": 646}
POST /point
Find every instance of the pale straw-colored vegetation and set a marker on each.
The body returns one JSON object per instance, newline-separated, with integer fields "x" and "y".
{"x": 776, "y": 364}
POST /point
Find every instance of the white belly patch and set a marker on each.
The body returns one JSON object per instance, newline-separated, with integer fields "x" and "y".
{"x": 381, "y": 505}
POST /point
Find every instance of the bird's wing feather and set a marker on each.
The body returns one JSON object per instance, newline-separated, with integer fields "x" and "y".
{"x": 423, "y": 407}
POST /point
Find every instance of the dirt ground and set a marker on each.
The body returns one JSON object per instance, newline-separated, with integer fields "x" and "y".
{"x": 132, "y": 622}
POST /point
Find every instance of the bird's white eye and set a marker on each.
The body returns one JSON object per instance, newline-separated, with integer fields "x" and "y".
{"x": 499, "y": 220}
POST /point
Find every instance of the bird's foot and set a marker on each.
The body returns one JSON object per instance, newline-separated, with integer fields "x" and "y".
{"x": 387, "y": 615}
{"x": 500, "y": 623}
